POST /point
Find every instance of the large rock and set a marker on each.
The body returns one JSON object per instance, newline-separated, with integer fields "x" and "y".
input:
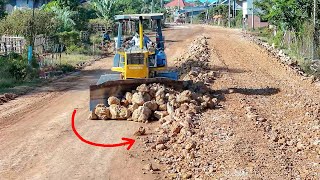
{"x": 141, "y": 114}
{"x": 176, "y": 128}
{"x": 93, "y": 115}
{"x": 162, "y": 107}
{"x": 171, "y": 97}
{"x": 162, "y": 139}
{"x": 119, "y": 112}
{"x": 146, "y": 97}
{"x": 212, "y": 103}
{"x": 160, "y": 147}
{"x": 133, "y": 107}
{"x": 184, "y": 96}
{"x": 128, "y": 97}
{"x": 125, "y": 102}
{"x": 138, "y": 98}
{"x": 170, "y": 108}
{"x": 113, "y": 100}
{"x": 190, "y": 145}
{"x": 124, "y": 113}
{"x": 114, "y": 111}
{"x": 143, "y": 88}
{"x": 102, "y": 112}
{"x": 152, "y": 105}
{"x": 160, "y": 94}
{"x": 160, "y": 114}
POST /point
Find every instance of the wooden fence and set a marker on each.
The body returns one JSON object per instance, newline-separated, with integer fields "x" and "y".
{"x": 12, "y": 44}
{"x": 18, "y": 44}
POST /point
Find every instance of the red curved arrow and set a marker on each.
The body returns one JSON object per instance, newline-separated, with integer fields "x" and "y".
{"x": 127, "y": 141}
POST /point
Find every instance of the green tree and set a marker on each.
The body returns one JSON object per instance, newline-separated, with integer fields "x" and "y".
{"x": 2, "y": 8}
{"x": 64, "y": 16}
{"x": 128, "y": 6}
{"x": 20, "y": 21}
{"x": 103, "y": 8}
{"x": 72, "y": 4}
{"x": 286, "y": 14}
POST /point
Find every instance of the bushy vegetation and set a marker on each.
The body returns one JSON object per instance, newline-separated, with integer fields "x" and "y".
{"x": 292, "y": 27}
{"x": 2, "y": 8}
{"x": 14, "y": 68}
{"x": 21, "y": 23}
{"x": 287, "y": 16}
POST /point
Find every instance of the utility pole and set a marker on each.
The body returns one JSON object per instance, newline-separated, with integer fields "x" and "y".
{"x": 234, "y": 9}
{"x": 30, "y": 48}
{"x": 152, "y": 5}
{"x": 316, "y": 29}
{"x": 229, "y": 22}
{"x": 191, "y": 14}
{"x": 252, "y": 14}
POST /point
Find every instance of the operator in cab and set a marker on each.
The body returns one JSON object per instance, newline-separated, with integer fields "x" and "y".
{"x": 135, "y": 41}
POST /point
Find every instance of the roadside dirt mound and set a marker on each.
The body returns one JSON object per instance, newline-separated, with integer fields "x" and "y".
{"x": 7, "y": 97}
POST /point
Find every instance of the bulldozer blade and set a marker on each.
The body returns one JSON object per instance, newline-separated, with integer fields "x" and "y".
{"x": 100, "y": 93}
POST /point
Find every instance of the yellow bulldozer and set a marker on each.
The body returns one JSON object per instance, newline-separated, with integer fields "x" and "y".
{"x": 134, "y": 65}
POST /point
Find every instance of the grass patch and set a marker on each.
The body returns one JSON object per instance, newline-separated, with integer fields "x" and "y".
{"x": 71, "y": 59}
{"x": 19, "y": 87}
{"x": 17, "y": 77}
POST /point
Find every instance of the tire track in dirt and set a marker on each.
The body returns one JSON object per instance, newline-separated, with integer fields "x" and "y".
{"x": 254, "y": 153}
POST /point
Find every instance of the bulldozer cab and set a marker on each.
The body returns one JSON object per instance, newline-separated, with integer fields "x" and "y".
{"x": 138, "y": 60}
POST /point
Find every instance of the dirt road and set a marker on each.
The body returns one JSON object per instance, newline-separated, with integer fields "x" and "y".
{"x": 281, "y": 141}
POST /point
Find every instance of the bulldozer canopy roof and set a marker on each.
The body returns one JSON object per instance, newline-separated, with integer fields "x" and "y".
{"x": 136, "y": 16}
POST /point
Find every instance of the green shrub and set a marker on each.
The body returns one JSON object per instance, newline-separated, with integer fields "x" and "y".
{"x": 74, "y": 49}
{"x": 7, "y": 82}
{"x": 69, "y": 38}
{"x": 96, "y": 38}
{"x": 15, "y": 66}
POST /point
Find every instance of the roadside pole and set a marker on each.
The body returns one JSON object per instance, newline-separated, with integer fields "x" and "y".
{"x": 316, "y": 29}
{"x": 30, "y": 48}
{"x": 191, "y": 14}
{"x": 234, "y": 12}
{"x": 229, "y": 11}
{"x": 252, "y": 20}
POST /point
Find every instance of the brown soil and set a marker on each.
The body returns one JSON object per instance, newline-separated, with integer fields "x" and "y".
{"x": 269, "y": 126}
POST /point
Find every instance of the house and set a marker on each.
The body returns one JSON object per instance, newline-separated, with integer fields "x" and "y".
{"x": 193, "y": 11}
{"x": 180, "y": 4}
{"x": 250, "y": 16}
{"x": 24, "y": 4}
{"x": 27, "y": 4}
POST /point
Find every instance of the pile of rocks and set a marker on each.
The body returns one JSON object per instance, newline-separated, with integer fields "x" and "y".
{"x": 198, "y": 55}
{"x": 198, "y": 74}
{"x": 154, "y": 102}
{"x": 176, "y": 142}
{"x": 7, "y": 97}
